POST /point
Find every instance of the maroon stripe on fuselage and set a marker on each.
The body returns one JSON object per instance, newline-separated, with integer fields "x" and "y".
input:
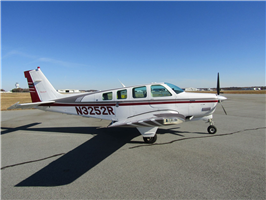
{"x": 165, "y": 102}
{"x": 81, "y": 104}
{"x": 131, "y": 103}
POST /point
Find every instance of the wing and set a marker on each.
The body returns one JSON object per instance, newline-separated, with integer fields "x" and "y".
{"x": 29, "y": 105}
{"x": 154, "y": 119}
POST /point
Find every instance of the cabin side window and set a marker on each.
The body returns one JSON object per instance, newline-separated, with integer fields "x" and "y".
{"x": 159, "y": 91}
{"x": 108, "y": 96}
{"x": 139, "y": 92}
{"x": 176, "y": 89}
{"x": 122, "y": 94}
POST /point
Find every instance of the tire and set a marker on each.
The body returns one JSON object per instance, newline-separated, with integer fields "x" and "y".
{"x": 150, "y": 140}
{"x": 212, "y": 129}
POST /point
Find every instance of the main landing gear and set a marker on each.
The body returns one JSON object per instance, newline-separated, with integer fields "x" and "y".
{"x": 148, "y": 133}
{"x": 150, "y": 140}
{"x": 211, "y": 129}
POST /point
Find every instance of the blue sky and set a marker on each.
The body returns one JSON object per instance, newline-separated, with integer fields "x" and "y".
{"x": 92, "y": 45}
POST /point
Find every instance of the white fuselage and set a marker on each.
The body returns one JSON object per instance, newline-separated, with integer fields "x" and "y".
{"x": 145, "y": 107}
{"x": 115, "y": 108}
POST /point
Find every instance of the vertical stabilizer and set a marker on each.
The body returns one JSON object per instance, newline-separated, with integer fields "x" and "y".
{"x": 40, "y": 88}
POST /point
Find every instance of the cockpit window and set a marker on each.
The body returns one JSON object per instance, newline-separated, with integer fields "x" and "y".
{"x": 176, "y": 89}
{"x": 159, "y": 91}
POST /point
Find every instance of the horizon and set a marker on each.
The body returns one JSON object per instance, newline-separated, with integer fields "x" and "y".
{"x": 243, "y": 87}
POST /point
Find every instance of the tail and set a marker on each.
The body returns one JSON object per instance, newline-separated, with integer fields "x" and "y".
{"x": 40, "y": 88}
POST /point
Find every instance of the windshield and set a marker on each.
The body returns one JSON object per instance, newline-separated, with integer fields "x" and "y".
{"x": 175, "y": 88}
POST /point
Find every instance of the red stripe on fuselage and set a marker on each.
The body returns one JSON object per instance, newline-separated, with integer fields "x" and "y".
{"x": 131, "y": 103}
{"x": 167, "y": 102}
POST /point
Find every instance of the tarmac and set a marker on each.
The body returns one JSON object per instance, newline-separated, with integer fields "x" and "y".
{"x": 55, "y": 156}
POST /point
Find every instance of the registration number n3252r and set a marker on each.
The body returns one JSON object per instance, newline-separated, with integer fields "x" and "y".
{"x": 94, "y": 110}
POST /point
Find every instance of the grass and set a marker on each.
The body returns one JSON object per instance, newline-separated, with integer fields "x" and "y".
{"x": 8, "y": 99}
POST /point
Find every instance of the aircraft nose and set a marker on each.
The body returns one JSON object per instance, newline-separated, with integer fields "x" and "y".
{"x": 221, "y": 98}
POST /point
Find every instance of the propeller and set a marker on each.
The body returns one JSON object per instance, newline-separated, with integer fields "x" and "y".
{"x": 220, "y": 98}
{"x": 218, "y": 84}
{"x": 223, "y": 107}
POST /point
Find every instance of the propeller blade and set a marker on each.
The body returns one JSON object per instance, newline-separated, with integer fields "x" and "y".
{"x": 223, "y": 107}
{"x": 220, "y": 98}
{"x": 218, "y": 84}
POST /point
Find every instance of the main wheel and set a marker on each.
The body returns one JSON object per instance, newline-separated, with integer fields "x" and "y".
{"x": 212, "y": 129}
{"x": 150, "y": 139}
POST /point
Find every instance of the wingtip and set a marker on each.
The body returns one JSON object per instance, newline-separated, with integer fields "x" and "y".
{"x": 14, "y": 106}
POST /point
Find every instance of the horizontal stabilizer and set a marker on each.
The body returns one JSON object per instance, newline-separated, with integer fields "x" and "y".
{"x": 29, "y": 105}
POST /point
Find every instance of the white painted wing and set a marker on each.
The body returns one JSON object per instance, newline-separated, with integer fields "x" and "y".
{"x": 157, "y": 119}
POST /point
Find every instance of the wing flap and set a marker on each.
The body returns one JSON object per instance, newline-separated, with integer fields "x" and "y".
{"x": 29, "y": 105}
{"x": 162, "y": 119}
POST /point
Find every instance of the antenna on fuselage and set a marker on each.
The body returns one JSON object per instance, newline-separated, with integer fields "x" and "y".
{"x": 121, "y": 83}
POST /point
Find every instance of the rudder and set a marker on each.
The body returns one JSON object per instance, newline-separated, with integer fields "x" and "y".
{"x": 40, "y": 88}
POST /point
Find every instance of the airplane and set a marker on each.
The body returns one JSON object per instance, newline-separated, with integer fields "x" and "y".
{"x": 145, "y": 107}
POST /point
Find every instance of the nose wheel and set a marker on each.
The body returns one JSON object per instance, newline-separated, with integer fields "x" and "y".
{"x": 211, "y": 129}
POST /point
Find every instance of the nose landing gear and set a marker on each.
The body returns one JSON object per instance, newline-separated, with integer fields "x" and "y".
{"x": 211, "y": 129}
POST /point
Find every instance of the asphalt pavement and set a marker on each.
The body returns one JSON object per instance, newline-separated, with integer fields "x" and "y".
{"x": 48, "y": 155}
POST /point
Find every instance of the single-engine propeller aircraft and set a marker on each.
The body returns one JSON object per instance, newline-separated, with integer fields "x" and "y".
{"x": 145, "y": 107}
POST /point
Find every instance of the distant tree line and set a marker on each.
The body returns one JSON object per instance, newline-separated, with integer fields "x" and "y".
{"x": 20, "y": 90}
{"x": 239, "y": 88}
{"x": 244, "y": 88}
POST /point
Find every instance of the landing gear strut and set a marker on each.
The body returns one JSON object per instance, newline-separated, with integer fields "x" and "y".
{"x": 150, "y": 140}
{"x": 211, "y": 129}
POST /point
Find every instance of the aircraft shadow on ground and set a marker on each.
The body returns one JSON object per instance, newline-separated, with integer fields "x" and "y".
{"x": 24, "y": 127}
{"x": 78, "y": 161}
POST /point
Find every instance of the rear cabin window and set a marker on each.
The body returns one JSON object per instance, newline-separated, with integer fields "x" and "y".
{"x": 139, "y": 92}
{"x": 122, "y": 94}
{"x": 159, "y": 91}
{"x": 108, "y": 96}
